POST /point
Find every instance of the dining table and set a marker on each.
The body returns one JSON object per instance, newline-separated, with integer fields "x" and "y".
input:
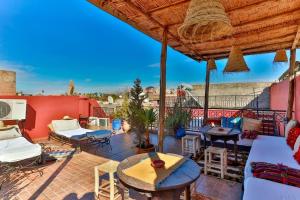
{"x": 170, "y": 187}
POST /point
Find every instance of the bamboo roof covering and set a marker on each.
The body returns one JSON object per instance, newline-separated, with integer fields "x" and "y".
{"x": 259, "y": 26}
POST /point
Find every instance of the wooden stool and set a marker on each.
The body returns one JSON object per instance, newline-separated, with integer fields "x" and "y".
{"x": 190, "y": 144}
{"x": 108, "y": 190}
{"x": 214, "y": 166}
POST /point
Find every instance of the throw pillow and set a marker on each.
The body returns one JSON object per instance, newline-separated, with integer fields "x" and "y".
{"x": 65, "y": 125}
{"x": 297, "y": 156}
{"x": 9, "y": 133}
{"x": 297, "y": 145}
{"x": 251, "y": 124}
{"x": 249, "y": 134}
{"x": 291, "y": 124}
{"x": 292, "y": 137}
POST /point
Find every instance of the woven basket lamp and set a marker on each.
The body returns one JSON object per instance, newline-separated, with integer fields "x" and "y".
{"x": 280, "y": 56}
{"x": 236, "y": 61}
{"x": 211, "y": 64}
{"x": 205, "y": 20}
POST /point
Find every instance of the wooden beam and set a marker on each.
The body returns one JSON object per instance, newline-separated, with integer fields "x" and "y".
{"x": 205, "y": 114}
{"x": 167, "y": 6}
{"x": 297, "y": 38}
{"x": 244, "y": 45}
{"x": 264, "y": 49}
{"x": 153, "y": 20}
{"x": 291, "y": 97}
{"x": 162, "y": 93}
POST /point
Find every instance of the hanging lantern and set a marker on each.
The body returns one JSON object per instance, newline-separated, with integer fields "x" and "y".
{"x": 236, "y": 62}
{"x": 280, "y": 56}
{"x": 211, "y": 64}
{"x": 205, "y": 20}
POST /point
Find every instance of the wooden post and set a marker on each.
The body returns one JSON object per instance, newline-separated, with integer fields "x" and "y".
{"x": 289, "y": 112}
{"x": 162, "y": 94}
{"x": 205, "y": 117}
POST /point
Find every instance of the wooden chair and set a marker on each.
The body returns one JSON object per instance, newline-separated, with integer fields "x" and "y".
{"x": 110, "y": 189}
{"x": 190, "y": 145}
{"x": 214, "y": 166}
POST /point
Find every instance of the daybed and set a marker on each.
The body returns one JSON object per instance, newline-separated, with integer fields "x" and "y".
{"x": 68, "y": 131}
{"x": 16, "y": 152}
{"x": 270, "y": 149}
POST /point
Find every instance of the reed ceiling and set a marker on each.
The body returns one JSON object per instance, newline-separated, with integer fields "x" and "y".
{"x": 260, "y": 26}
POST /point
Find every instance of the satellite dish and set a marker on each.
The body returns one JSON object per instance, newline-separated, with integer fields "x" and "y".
{"x": 110, "y": 100}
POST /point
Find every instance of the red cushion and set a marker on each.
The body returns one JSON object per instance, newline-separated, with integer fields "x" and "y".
{"x": 297, "y": 156}
{"x": 292, "y": 137}
{"x": 277, "y": 173}
{"x": 249, "y": 134}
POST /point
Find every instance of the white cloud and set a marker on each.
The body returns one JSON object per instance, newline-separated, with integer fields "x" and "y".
{"x": 154, "y": 65}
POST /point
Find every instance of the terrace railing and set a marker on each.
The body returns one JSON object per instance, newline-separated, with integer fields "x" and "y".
{"x": 272, "y": 120}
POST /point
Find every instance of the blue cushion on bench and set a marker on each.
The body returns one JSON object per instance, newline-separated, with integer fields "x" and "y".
{"x": 231, "y": 122}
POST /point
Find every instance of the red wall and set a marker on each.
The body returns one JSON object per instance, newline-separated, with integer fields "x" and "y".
{"x": 279, "y": 96}
{"x": 41, "y": 110}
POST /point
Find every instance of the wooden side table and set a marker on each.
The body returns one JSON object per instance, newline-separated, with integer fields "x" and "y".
{"x": 190, "y": 144}
{"x": 214, "y": 166}
{"x": 108, "y": 190}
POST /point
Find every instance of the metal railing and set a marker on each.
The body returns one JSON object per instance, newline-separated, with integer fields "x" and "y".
{"x": 273, "y": 121}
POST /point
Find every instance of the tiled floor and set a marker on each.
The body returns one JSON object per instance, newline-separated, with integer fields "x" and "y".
{"x": 73, "y": 179}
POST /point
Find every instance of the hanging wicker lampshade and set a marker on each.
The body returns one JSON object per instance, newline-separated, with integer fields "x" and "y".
{"x": 205, "y": 20}
{"x": 211, "y": 64}
{"x": 236, "y": 61}
{"x": 280, "y": 56}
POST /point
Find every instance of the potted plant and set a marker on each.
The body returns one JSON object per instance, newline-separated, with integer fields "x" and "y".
{"x": 122, "y": 113}
{"x": 177, "y": 120}
{"x": 139, "y": 118}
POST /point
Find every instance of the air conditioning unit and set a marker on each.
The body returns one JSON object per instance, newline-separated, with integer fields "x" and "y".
{"x": 12, "y": 109}
{"x": 103, "y": 122}
{"x": 95, "y": 121}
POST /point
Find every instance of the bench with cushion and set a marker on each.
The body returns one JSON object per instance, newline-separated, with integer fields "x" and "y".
{"x": 274, "y": 150}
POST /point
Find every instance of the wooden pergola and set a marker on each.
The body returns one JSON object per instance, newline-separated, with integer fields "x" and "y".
{"x": 259, "y": 26}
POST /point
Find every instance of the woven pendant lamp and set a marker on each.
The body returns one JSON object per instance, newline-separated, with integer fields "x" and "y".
{"x": 205, "y": 20}
{"x": 280, "y": 56}
{"x": 211, "y": 64}
{"x": 236, "y": 61}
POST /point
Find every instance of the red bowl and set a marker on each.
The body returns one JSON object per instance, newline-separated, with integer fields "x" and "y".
{"x": 220, "y": 129}
{"x": 158, "y": 163}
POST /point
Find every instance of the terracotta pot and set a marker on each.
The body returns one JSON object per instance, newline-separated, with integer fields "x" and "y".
{"x": 147, "y": 150}
{"x": 125, "y": 126}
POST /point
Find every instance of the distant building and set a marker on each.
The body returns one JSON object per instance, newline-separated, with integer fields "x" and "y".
{"x": 7, "y": 83}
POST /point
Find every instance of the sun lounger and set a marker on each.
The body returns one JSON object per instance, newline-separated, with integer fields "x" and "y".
{"x": 101, "y": 137}
{"x": 16, "y": 152}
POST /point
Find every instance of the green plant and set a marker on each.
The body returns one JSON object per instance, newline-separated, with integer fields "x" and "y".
{"x": 122, "y": 112}
{"x": 150, "y": 118}
{"x": 136, "y": 113}
{"x": 178, "y": 117}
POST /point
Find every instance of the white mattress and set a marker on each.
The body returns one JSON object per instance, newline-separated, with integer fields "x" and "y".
{"x": 74, "y": 134}
{"x": 270, "y": 149}
{"x": 260, "y": 189}
{"x": 17, "y": 149}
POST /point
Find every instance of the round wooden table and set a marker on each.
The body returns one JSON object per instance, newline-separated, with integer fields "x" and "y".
{"x": 169, "y": 189}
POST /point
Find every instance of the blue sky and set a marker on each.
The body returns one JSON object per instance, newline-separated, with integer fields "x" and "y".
{"x": 51, "y": 42}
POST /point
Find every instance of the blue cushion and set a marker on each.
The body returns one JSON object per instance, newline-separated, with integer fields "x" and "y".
{"x": 116, "y": 124}
{"x": 231, "y": 122}
{"x": 180, "y": 133}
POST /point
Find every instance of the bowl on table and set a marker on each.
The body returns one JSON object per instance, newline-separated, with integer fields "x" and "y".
{"x": 158, "y": 163}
